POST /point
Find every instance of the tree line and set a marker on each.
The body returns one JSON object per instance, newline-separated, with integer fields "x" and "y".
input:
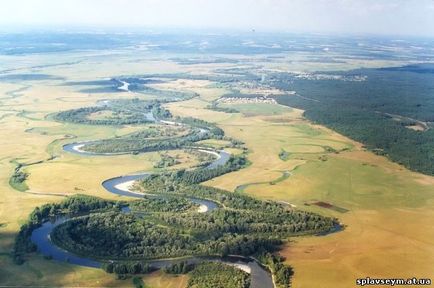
{"x": 214, "y": 274}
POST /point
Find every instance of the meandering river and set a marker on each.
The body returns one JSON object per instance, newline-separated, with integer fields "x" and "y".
{"x": 260, "y": 277}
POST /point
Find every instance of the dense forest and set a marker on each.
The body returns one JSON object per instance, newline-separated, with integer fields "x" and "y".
{"x": 182, "y": 267}
{"x": 169, "y": 179}
{"x": 162, "y": 204}
{"x": 378, "y": 111}
{"x": 210, "y": 274}
{"x": 244, "y": 214}
{"x": 218, "y": 275}
{"x": 282, "y": 273}
{"x": 244, "y": 227}
{"x": 127, "y": 267}
{"x": 121, "y": 236}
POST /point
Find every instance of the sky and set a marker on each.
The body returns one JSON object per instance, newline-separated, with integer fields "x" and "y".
{"x": 393, "y": 17}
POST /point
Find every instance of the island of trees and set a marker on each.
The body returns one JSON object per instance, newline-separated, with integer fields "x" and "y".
{"x": 168, "y": 226}
{"x": 118, "y": 112}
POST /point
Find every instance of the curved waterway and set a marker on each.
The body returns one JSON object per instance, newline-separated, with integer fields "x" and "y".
{"x": 76, "y": 148}
{"x": 121, "y": 186}
{"x": 260, "y": 278}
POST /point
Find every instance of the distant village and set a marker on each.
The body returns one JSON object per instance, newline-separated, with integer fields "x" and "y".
{"x": 237, "y": 100}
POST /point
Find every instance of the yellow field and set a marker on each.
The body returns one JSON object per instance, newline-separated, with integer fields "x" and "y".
{"x": 160, "y": 279}
{"x": 215, "y": 143}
